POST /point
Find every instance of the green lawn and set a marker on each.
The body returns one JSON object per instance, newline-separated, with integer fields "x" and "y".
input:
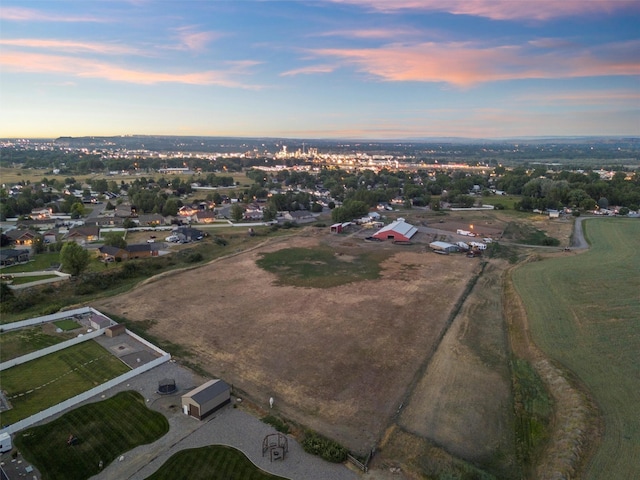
{"x": 104, "y": 430}
{"x": 26, "y": 340}
{"x": 584, "y": 311}
{"x": 49, "y": 380}
{"x": 67, "y": 324}
{"x": 320, "y": 267}
{"x": 41, "y": 261}
{"x": 214, "y": 462}
{"x": 31, "y": 278}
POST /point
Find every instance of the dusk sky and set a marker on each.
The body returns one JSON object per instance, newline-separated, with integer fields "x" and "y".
{"x": 361, "y": 69}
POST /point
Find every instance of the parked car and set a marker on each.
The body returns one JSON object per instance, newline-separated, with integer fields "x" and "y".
{"x": 172, "y": 238}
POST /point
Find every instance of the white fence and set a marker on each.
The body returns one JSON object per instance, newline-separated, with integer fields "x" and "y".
{"x": 43, "y": 415}
{"x": 48, "y": 318}
{"x": 53, "y": 348}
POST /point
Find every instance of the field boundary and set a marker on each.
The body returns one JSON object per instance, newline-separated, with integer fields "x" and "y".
{"x": 73, "y": 401}
{"x": 52, "y": 349}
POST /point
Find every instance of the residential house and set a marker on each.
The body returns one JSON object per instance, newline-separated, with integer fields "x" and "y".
{"x": 151, "y": 220}
{"x": 21, "y": 238}
{"x": 206, "y": 216}
{"x": 299, "y": 216}
{"x": 109, "y": 253}
{"x": 188, "y": 234}
{"x": 12, "y": 256}
{"x": 83, "y": 235}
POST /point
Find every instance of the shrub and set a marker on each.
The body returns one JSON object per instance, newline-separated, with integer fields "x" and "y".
{"x": 329, "y": 450}
{"x": 195, "y": 257}
{"x": 277, "y": 423}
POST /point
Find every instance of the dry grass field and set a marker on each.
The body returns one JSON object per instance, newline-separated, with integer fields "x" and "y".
{"x": 338, "y": 360}
{"x": 391, "y": 362}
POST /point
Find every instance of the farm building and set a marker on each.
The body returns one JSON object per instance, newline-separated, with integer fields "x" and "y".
{"x": 336, "y": 228}
{"x": 399, "y": 231}
{"x": 444, "y": 247}
{"x": 206, "y": 399}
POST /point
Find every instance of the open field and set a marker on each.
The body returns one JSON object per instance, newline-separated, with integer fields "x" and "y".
{"x": 583, "y": 312}
{"x": 26, "y": 340}
{"x": 47, "y": 381}
{"x": 215, "y": 462}
{"x": 104, "y": 430}
{"x": 338, "y": 359}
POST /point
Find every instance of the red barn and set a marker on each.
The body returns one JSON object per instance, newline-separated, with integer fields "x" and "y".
{"x": 398, "y": 231}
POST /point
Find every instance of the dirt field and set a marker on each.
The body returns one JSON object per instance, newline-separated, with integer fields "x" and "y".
{"x": 337, "y": 360}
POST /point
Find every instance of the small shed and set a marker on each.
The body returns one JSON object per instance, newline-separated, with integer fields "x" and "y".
{"x": 336, "y": 228}
{"x": 206, "y": 399}
{"x": 115, "y": 330}
{"x": 444, "y": 247}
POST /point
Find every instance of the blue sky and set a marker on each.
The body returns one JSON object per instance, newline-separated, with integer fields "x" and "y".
{"x": 365, "y": 69}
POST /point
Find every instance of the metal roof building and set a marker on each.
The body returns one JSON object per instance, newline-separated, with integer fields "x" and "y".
{"x": 396, "y": 231}
{"x": 206, "y": 399}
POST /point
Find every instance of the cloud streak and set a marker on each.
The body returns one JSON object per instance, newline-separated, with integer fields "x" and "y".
{"x": 86, "y": 68}
{"x": 70, "y": 46}
{"x": 540, "y": 10}
{"x": 192, "y": 39}
{"x": 20, "y": 14}
{"x": 464, "y": 64}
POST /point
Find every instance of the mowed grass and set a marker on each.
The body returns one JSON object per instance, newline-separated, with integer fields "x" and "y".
{"x": 49, "y": 380}
{"x": 26, "y": 340}
{"x": 67, "y": 324}
{"x": 319, "y": 267}
{"x": 584, "y": 311}
{"x": 38, "y": 262}
{"x": 104, "y": 431}
{"x": 31, "y": 278}
{"x": 214, "y": 462}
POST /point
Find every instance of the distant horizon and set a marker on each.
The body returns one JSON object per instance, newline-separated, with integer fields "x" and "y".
{"x": 337, "y": 69}
{"x": 452, "y": 139}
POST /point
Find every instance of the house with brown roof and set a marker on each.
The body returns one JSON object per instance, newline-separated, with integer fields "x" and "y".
{"x": 21, "y": 238}
{"x": 82, "y": 235}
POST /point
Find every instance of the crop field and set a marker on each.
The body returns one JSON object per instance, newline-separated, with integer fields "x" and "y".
{"x": 102, "y": 431}
{"x": 214, "y": 462}
{"x": 583, "y": 312}
{"x": 49, "y": 380}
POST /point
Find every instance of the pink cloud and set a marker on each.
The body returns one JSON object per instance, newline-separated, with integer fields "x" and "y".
{"x": 69, "y": 46}
{"x": 373, "y": 33}
{"x": 85, "y": 68}
{"x": 19, "y": 14}
{"x": 464, "y": 64}
{"x": 582, "y": 98}
{"x": 191, "y": 39}
{"x": 309, "y": 70}
{"x": 503, "y": 9}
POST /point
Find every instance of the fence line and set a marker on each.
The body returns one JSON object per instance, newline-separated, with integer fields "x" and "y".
{"x": 48, "y": 318}
{"x": 51, "y": 349}
{"x": 71, "y": 402}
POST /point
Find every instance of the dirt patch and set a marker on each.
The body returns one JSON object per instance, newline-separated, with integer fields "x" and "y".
{"x": 337, "y": 360}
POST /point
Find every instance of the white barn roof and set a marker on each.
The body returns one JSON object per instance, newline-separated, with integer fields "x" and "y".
{"x": 400, "y": 226}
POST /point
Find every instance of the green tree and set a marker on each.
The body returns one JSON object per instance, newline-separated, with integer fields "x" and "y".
{"x": 128, "y": 223}
{"x": 237, "y": 212}
{"x": 77, "y": 210}
{"x": 74, "y": 258}
{"x": 114, "y": 239}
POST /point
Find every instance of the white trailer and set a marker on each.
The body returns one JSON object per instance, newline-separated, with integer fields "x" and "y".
{"x": 5, "y": 442}
{"x": 462, "y": 245}
{"x": 478, "y": 245}
{"x": 466, "y": 233}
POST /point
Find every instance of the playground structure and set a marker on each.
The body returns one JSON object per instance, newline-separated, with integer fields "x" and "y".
{"x": 276, "y": 444}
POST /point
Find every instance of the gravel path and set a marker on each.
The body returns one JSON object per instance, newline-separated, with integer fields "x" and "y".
{"x": 229, "y": 426}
